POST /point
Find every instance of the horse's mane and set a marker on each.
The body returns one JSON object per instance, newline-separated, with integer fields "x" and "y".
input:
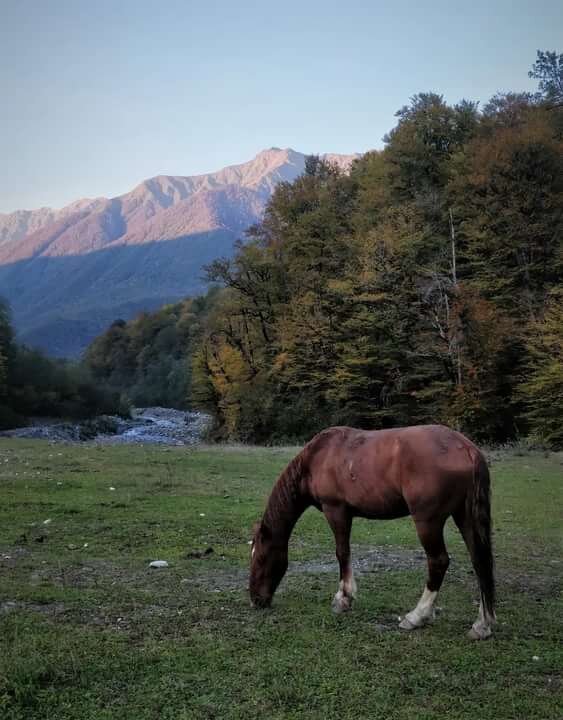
{"x": 287, "y": 493}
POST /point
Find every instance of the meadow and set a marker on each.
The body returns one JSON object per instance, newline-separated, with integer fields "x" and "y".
{"x": 88, "y": 631}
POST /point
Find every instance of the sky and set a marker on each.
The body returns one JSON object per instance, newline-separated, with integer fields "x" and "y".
{"x": 97, "y": 96}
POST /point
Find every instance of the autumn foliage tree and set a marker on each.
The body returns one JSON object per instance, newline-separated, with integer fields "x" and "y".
{"x": 542, "y": 380}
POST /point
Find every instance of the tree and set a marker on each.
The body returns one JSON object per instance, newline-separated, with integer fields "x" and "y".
{"x": 419, "y": 147}
{"x": 507, "y": 192}
{"x": 506, "y": 110}
{"x": 542, "y": 384}
{"x": 3, "y": 375}
{"x": 548, "y": 70}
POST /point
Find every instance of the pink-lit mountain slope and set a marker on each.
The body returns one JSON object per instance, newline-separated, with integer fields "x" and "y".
{"x": 69, "y": 273}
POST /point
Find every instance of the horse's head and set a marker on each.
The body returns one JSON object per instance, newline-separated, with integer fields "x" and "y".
{"x": 267, "y": 566}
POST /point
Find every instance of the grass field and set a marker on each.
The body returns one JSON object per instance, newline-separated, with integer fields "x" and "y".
{"x": 88, "y": 631}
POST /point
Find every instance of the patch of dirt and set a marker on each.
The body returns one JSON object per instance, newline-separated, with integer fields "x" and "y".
{"x": 535, "y": 586}
{"x": 51, "y": 609}
{"x": 366, "y": 561}
{"x": 10, "y": 556}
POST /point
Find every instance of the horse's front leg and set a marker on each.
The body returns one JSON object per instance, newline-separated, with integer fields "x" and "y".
{"x": 431, "y": 537}
{"x": 340, "y": 520}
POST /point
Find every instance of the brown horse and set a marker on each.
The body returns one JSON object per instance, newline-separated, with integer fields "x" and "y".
{"x": 427, "y": 471}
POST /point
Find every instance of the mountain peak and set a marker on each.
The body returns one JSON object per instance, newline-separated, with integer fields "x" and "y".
{"x": 68, "y": 273}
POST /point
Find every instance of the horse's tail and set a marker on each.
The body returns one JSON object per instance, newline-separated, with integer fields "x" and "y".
{"x": 478, "y": 527}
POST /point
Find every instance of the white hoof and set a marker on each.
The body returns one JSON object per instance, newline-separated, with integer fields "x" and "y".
{"x": 413, "y": 620}
{"x": 406, "y": 624}
{"x": 341, "y": 603}
{"x": 479, "y": 632}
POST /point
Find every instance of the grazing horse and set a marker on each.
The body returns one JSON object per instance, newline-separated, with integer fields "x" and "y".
{"x": 427, "y": 471}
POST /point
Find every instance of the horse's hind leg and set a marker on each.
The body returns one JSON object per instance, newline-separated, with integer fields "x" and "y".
{"x": 340, "y": 520}
{"x": 482, "y": 627}
{"x": 431, "y": 535}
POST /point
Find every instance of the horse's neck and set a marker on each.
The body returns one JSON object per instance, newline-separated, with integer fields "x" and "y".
{"x": 285, "y": 506}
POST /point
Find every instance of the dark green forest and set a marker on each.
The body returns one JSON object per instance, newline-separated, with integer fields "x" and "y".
{"x": 423, "y": 286}
{"x": 33, "y": 385}
{"x": 150, "y": 357}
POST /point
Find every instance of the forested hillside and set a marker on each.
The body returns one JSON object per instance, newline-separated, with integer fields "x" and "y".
{"x": 33, "y": 385}
{"x": 423, "y": 286}
{"x": 150, "y": 357}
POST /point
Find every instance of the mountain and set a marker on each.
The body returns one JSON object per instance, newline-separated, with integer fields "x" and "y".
{"x": 69, "y": 273}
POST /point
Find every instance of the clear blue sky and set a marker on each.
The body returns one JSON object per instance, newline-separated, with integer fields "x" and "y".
{"x": 100, "y": 94}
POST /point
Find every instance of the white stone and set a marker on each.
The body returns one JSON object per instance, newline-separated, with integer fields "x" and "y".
{"x": 158, "y": 564}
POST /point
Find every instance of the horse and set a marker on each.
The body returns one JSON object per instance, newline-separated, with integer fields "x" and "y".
{"x": 430, "y": 472}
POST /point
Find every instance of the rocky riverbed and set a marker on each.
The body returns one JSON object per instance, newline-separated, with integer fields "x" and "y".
{"x": 164, "y": 426}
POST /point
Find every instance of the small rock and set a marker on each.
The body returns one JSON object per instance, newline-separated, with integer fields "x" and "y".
{"x": 47, "y": 521}
{"x": 202, "y": 514}
{"x": 535, "y": 657}
{"x": 112, "y": 488}
{"x": 158, "y": 564}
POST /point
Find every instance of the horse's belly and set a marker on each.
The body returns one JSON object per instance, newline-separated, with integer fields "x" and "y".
{"x": 379, "y": 508}
{"x": 372, "y": 499}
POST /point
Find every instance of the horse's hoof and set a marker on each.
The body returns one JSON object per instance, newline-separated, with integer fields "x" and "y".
{"x": 406, "y": 624}
{"x": 482, "y": 632}
{"x": 341, "y": 605}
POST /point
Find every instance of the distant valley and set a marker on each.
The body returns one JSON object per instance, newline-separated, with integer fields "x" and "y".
{"x": 69, "y": 273}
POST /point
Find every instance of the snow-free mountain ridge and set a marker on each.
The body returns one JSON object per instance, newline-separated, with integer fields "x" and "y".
{"x": 68, "y": 273}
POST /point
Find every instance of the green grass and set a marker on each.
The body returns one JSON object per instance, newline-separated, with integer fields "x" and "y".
{"x": 88, "y": 631}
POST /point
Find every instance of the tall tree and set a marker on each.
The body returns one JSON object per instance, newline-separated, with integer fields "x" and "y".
{"x": 548, "y": 70}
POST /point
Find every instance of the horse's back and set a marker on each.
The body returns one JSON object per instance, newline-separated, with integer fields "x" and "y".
{"x": 390, "y": 473}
